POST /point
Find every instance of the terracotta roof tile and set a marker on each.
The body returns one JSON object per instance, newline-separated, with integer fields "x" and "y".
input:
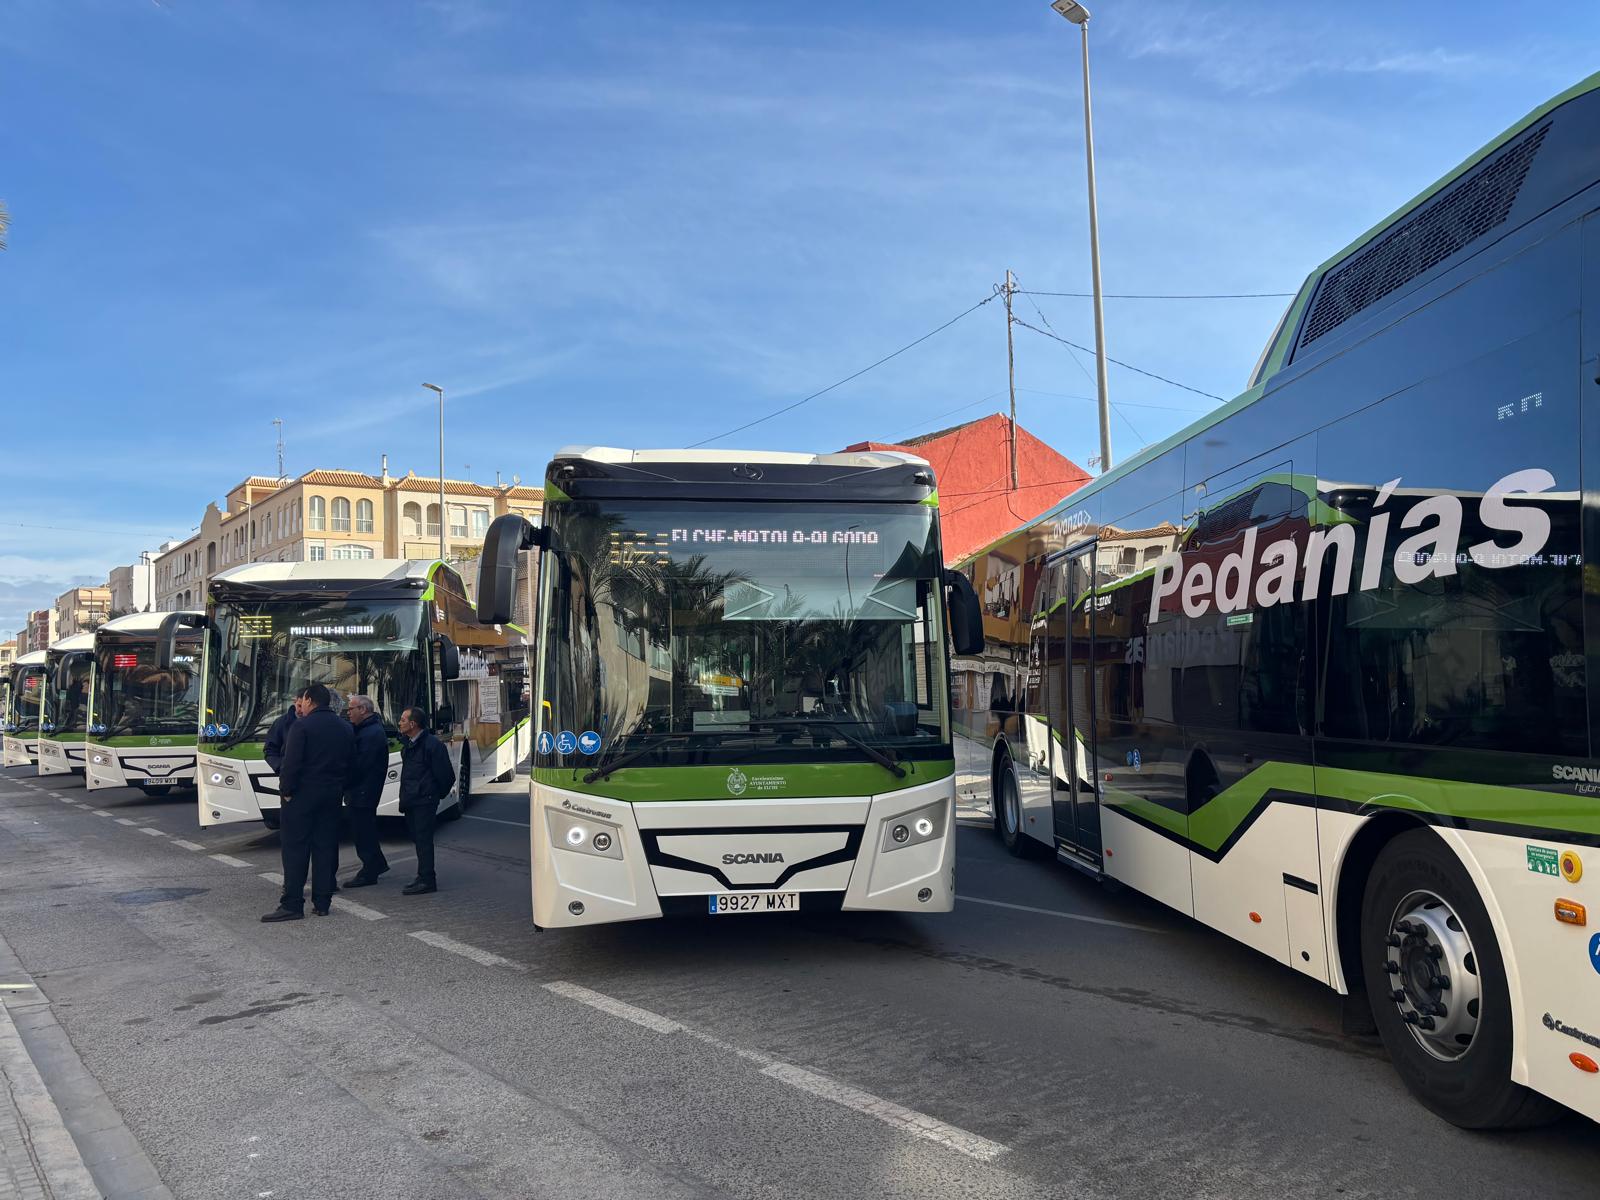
{"x": 341, "y": 479}
{"x": 452, "y": 487}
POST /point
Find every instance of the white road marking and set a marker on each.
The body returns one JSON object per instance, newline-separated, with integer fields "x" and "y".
{"x": 273, "y": 877}
{"x": 907, "y": 1120}
{"x": 125, "y": 821}
{"x": 230, "y": 860}
{"x": 481, "y": 957}
{"x": 617, "y": 1008}
{"x": 494, "y": 820}
{"x": 187, "y": 845}
{"x": 152, "y": 832}
{"x": 100, "y": 812}
{"x": 1051, "y": 912}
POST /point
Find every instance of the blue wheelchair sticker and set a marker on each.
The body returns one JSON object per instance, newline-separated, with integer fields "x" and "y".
{"x": 566, "y": 742}
{"x": 547, "y": 742}
{"x": 1594, "y": 953}
{"x": 211, "y": 731}
{"x": 588, "y": 742}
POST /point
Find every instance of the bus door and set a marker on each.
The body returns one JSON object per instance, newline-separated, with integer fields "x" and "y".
{"x": 1070, "y": 703}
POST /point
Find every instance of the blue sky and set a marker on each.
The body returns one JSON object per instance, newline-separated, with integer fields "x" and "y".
{"x": 646, "y": 224}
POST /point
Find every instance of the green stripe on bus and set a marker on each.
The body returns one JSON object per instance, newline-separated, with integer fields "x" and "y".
{"x": 152, "y": 739}
{"x": 512, "y": 732}
{"x": 779, "y": 781}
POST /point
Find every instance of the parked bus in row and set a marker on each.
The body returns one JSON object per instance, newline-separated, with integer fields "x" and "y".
{"x": 1314, "y": 670}
{"x": 64, "y": 723}
{"x": 143, "y": 717}
{"x": 400, "y": 631}
{"x": 742, "y": 683}
{"x": 24, "y": 702}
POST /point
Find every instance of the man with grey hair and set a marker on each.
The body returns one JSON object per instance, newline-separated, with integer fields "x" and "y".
{"x": 369, "y": 766}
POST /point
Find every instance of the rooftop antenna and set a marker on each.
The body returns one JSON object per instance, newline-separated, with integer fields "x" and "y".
{"x": 278, "y": 422}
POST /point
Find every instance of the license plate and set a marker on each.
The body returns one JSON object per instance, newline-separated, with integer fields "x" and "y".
{"x": 752, "y": 902}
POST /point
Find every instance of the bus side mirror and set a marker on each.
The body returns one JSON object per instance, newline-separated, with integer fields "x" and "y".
{"x": 167, "y": 634}
{"x": 449, "y": 657}
{"x": 508, "y": 536}
{"x": 966, "y": 616}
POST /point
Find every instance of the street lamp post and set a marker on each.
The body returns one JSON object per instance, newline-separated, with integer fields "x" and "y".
{"x": 433, "y": 387}
{"x": 1079, "y": 16}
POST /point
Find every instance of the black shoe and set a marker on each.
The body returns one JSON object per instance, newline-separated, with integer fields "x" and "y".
{"x": 418, "y": 888}
{"x": 282, "y": 914}
{"x": 356, "y": 881}
{"x": 321, "y": 912}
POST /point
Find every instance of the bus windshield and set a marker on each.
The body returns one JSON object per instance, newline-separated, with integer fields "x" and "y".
{"x": 133, "y": 696}
{"x": 27, "y": 685}
{"x": 263, "y": 652}
{"x": 66, "y": 693}
{"x": 695, "y": 632}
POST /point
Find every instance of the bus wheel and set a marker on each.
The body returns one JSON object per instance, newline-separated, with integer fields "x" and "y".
{"x": 1438, "y": 987}
{"x": 1008, "y": 813}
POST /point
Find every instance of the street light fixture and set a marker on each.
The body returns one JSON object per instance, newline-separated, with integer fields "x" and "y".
{"x": 1079, "y": 16}
{"x": 433, "y": 387}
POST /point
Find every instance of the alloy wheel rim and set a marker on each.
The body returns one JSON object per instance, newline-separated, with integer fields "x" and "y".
{"x": 1432, "y": 973}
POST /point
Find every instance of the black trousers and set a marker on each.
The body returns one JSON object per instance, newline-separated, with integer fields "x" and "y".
{"x": 421, "y": 821}
{"x": 364, "y": 833}
{"x": 309, "y": 833}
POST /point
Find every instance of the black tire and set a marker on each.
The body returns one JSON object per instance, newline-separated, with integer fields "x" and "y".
{"x": 1417, "y": 884}
{"x": 1008, "y": 818}
{"x": 269, "y": 818}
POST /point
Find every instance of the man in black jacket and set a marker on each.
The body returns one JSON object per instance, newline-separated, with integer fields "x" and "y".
{"x": 369, "y": 768}
{"x": 316, "y": 768}
{"x": 425, "y": 778}
{"x": 272, "y": 750}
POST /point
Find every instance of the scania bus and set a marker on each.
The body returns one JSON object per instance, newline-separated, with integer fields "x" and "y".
{"x": 1315, "y": 670}
{"x": 742, "y": 683}
{"x": 24, "y": 701}
{"x": 142, "y": 716}
{"x": 400, "y": 631}
{"x": 65, "y": 721}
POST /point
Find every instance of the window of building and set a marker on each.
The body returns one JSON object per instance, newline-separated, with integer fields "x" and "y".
{"x": 352, "y": 552}
{"x": 363, "y": 516}
{"x": 318, "y": 513}
{"x": 341, "y": 515}
{"x": 480, "y": 522}
{"x": 433, "y": 520}
{"x": 411, "y": 519}
{"x": 316, "y": 551}
{"x": 458, "y": 521}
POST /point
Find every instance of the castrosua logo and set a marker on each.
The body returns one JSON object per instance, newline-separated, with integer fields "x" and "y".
{"x": 737, "y": 782}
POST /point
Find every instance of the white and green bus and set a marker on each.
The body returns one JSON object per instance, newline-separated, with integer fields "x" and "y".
{"x": 143, "y": 715}
{"x": 742, "y": 683}
{"x": 24, "y": 702}
{"x": 400, "y": 631}
{"x": 1316, "y": 670}
{"x": 64, "y": 723}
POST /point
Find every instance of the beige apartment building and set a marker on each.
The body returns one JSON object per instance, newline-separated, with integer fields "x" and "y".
{"x": 82, "y": 610}
{"x": 332, "y": 514}
{"x": 8, "y": 654}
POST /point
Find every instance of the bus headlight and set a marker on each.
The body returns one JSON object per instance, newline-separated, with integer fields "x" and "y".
{"x": 582, "y": 835}
{"x": 218, "y": 775}
{"x": 914, "y": 828}
{"x": 99, "y": 760}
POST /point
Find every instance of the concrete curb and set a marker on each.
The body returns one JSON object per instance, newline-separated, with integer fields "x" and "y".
{"x": 72, "y": 1135}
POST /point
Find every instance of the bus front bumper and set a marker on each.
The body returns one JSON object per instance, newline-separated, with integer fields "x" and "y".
{"x": 893, "y": 852}
{"x": 111, "y": 767}
{"x": 60, "y": 758}
{"x": 18, "y": 751}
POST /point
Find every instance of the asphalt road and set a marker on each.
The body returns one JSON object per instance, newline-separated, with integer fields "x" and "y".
{"x": 1050, "y": 1038}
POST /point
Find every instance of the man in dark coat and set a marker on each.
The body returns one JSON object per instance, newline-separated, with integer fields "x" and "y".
{"x": 426, "y": 777}
{"x": 272, "y": 750}
{"x": 369, "y": 768}
{"x": 316, "y": 768}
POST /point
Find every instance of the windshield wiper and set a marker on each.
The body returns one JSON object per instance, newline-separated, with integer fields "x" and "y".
{"x": 615, "y": 764}
{"x": 884, "y": 759}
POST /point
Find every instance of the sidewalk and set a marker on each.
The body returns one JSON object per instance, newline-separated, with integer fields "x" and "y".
{"x": 78, "y": 1149}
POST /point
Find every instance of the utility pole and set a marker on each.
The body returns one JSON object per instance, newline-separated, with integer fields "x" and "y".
{"x": 278, "y": 423}
{"x": 433, "y": 387}
{"x": 1011, "y": 372}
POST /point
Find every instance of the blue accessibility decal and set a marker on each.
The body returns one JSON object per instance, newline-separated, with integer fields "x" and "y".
{"x": 1594, "y": 953}
{"x": 211, "y": 731}
{"x": 588, "y": 742}
{"x": 547, "y": 742}
{"x": 566, "y": 742}
{"x": 224, "y": 730}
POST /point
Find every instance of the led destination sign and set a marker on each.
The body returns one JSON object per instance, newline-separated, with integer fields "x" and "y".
{"x": 633, "y": 545}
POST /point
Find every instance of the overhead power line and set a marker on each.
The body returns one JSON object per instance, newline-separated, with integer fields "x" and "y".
{"x": 1119, "y": 362}
{"x": 1169, "y": 295}
{"x": 778, "y": 412}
